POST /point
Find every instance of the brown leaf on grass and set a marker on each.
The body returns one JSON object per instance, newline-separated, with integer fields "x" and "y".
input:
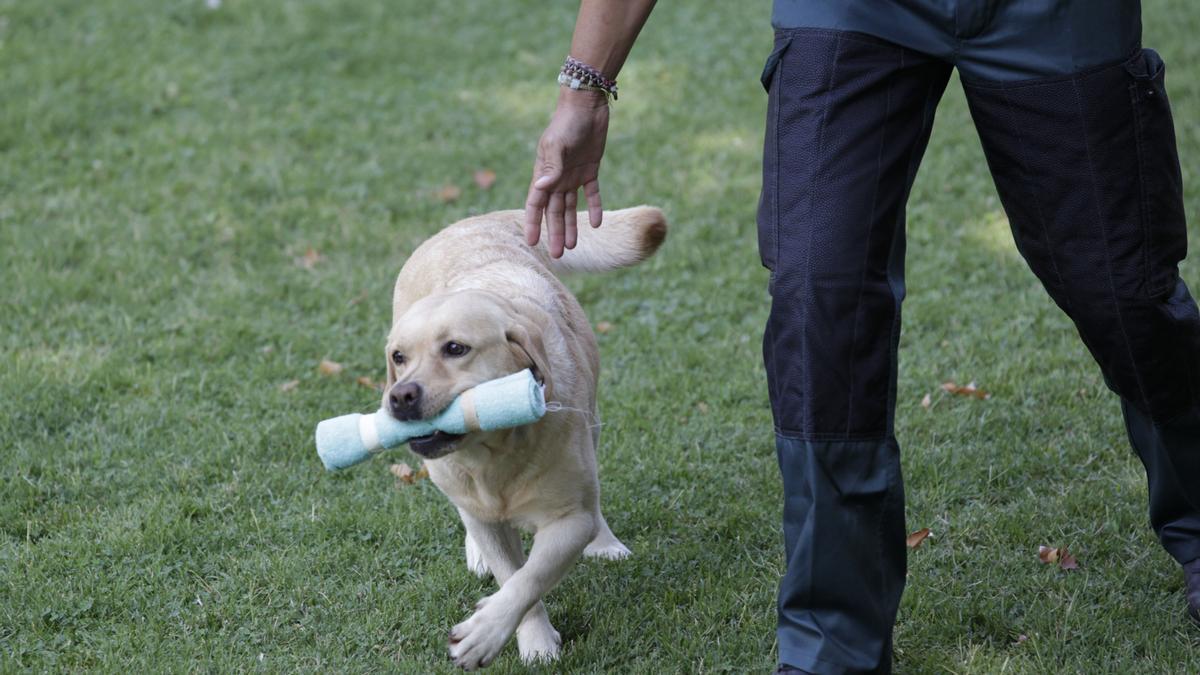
{"x": 369, "y": 383}
{"x": 702, "y": 407}
{"x": 917, "y": 538}
{"x": 1062, "y": 556}
{"x": 406, "y": 475}
{"x": 329, "y": 368}
{"x": 927, "y": 402}
{"x": 289, "y": 385}
{"x": 403, "y": 471}
{"x": 969, "y": 390}
{"x": 1048, "y": 555}
{"x": 484, "y": 178}
{"x": 310, "y": 258}
{"x": 603, "y": 327}
{"x": 449, "y": 193}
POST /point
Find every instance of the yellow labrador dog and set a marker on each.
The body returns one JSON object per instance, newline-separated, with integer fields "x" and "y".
{"x": 474, "y": 303}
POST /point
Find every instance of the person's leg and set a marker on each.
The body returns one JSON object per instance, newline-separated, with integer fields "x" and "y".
{"x": 848, "y": 120}
{"x": 1087, "y": 170}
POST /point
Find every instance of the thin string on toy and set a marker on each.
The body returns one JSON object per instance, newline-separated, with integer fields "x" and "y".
{"x": 555, "y": 406}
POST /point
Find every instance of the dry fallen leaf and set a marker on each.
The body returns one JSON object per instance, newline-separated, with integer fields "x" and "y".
{"x": 1062, "y": 556}
{"x": 1047, "y": 554}
{"x": 329, "y": 368}
{"x": 289, "y": 385}
{"x": 406, "y": 475}
{"x": 917, "y": 538}
{"x": 369, "y": 383}
{"x": 402, "y": 471}
{"x": 702, "y": 407}
{"x": 310, "y": 258}
{"x": 449, "y": 193}
{"x": 965, "y": 390}
{"x": 484, "y": 178}
{"x": 603, "y": 327}
{"x": 927, "y": 402}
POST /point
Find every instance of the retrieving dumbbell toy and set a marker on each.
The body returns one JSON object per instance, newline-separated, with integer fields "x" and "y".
{"x": 503, "y": 403}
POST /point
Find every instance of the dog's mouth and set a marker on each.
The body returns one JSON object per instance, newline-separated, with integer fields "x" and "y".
{"x": 437, "y": 444}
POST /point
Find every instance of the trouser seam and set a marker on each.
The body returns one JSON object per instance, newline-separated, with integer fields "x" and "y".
{"x": 803, "y": 436}
{"x": 1035, "y": 81}
{"x": 898, "y": 235}
{"x": 804, "y": 350}
{"x": 866, "y": 253}
{"x": 1037, "y": 207}
{"x": 848, "y": 35}
{"x": 1133, "y": 363}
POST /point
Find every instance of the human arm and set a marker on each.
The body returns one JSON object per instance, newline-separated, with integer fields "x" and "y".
{"x": 569, "y": 151}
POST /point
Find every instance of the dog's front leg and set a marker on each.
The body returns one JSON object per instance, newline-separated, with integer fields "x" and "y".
{"x": 476, "y": 641}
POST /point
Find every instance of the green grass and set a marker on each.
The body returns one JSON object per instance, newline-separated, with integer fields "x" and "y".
{"x": 162, "y": 166}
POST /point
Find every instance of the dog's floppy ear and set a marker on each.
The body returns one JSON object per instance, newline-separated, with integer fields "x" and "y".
{"x": 525, "y": 339}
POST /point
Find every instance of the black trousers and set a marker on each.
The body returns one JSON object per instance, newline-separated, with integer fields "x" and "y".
{"x": 1086, "y": 167}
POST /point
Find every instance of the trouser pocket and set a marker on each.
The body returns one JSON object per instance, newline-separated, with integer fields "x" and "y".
{"x": 768, "y": 201}
{"x": 1161, "y": 185}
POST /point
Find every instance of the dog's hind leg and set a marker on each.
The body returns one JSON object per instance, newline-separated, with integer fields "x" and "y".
{"x": 605, "y": 544}
{"x": 475, "y": 561}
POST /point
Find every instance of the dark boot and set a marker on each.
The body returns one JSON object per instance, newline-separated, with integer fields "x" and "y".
{"x": 1191, "y": 572}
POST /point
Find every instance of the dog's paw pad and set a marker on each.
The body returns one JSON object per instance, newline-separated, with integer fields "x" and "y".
{"x": 542, "y": 644}
{"x": 607, "y": 550}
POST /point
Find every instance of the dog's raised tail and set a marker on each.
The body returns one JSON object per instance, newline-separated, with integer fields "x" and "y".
{"x": 624, "y": 238}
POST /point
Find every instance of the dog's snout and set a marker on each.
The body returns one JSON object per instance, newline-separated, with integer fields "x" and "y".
{"x": 404, "y": 400}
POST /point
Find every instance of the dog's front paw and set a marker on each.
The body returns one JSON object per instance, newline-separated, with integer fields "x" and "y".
{"x": 538, "y": 642}
{"x": 475, "y": 642}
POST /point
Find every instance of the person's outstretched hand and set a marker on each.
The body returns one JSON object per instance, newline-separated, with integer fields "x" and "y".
{"x": 568, "y": 158}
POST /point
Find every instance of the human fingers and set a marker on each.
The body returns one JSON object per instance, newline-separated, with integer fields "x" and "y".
{"x": 570, "y": 230}
{"x": 555, "y": 224}
{"x": 545, "y": 174}
{"x": 535, "y": 203}
{"x": 591, "y": 191}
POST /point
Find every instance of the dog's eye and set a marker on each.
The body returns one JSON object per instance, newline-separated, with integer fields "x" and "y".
{"x": 397, "y": 358}
{"x": 455, "y": 349}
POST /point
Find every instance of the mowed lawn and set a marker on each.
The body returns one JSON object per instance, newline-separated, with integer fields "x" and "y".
{"x": 198, "y": 206}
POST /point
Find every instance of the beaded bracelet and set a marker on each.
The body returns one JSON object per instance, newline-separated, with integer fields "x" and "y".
{"x": 578, "y": 75}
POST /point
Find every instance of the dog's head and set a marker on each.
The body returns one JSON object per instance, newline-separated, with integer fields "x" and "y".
{"x": 447, "y": 343}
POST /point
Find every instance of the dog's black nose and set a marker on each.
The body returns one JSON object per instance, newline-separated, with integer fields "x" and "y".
{"x": 404, "y": 400}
